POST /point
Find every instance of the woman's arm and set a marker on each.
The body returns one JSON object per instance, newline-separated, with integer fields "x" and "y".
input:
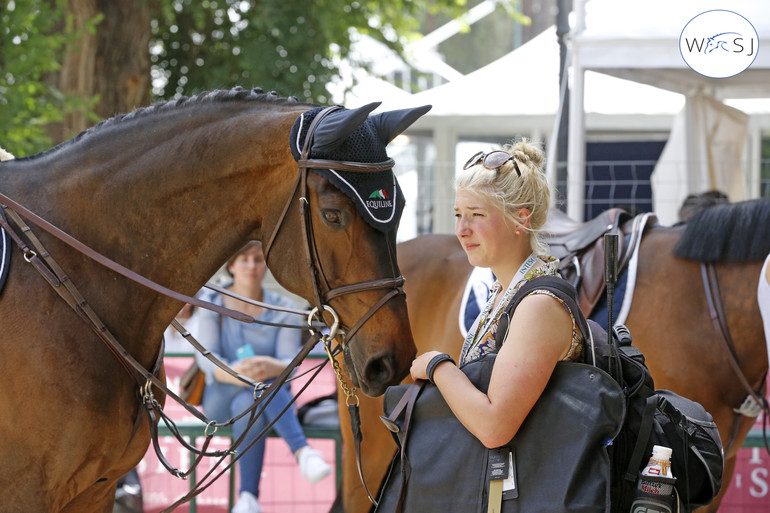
{"x": 286, "y": 346}
{"x": 540, "y": 335}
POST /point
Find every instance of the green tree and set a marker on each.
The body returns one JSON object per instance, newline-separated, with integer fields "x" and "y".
{"x": 65, "y": 64}
{"x": 28, "y": 51}
{"x": 34, "y": 37}
{"x": 290, "y": 47}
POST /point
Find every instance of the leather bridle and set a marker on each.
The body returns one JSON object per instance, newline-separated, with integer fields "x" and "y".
{"x": 323, "y": 293}
{"x": 46, "y": 265}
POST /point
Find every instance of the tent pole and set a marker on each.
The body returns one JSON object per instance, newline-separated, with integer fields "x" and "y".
{"x": 576, "y": 148}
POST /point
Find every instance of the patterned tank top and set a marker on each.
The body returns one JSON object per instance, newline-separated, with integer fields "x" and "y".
{"x": 474, "y": 349}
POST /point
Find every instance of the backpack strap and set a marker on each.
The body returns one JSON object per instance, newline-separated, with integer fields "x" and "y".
{"x": 559, "y": 287}
{"x": 643, "y": 436}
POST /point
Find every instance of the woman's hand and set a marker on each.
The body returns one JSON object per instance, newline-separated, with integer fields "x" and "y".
{"x": 260, "y": 368}
{"x": 420, "y": 364}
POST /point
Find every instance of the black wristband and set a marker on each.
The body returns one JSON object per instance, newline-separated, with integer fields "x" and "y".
{"x": 431, "y": 368}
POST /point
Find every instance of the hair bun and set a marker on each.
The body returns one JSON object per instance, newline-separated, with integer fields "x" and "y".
{"x": 527, "y": 153}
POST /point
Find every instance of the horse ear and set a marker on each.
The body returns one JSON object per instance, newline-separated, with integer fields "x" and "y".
{"x": 390, "y": 124}
{"x": 337, "y": 127}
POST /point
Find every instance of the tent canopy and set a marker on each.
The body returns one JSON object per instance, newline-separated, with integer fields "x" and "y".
{"x": 525, "y": 82}
{"x": 639, "y": 40}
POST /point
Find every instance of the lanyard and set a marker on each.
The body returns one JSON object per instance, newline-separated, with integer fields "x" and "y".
{"x": 484, "y": 321}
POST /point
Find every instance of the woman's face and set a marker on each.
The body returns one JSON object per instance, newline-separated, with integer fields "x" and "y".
{"x": 485, "y": 234}
{"x": 249, "y": 266}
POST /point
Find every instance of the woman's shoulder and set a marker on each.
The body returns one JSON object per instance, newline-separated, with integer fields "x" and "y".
{"x": 275, "y": 298}
{"x": 211, "y": 296}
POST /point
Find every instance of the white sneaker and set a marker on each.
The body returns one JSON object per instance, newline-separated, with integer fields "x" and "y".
{"x": 311, "y": 465}
{"x": 247, "y": 503}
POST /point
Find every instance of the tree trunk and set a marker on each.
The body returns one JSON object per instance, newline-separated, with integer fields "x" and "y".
{"x": 123, "y": 57}
{"x": 111, "y": 63}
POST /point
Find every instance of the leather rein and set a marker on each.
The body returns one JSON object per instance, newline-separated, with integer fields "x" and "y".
{"x": 754, "y": 403}
{"x": 36, "y": 254}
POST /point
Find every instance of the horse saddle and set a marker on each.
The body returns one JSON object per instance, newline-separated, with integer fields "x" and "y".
{"x": 580, "y": 248}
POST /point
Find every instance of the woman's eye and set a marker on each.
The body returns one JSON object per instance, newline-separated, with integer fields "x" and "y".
{"x": 332, "y": 216}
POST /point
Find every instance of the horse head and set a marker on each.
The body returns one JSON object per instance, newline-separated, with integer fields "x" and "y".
{"x": 350, "y": 204}
{"x": 713, "y": 43}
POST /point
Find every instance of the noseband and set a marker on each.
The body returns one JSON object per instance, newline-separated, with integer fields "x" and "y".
{"x": 322, "y": 291}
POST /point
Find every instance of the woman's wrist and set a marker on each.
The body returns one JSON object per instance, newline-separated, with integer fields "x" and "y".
{"x": 435, "y": 362}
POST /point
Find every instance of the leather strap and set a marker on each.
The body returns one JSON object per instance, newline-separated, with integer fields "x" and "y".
{"x": 717, "y": 313}
{"x": 405, "y": 404}
{"x": 645, "y": 431}
{"x": 11, "y": 208}
{"x": 355, "y": 426}
{"x": 413, "y": 392}
{"x": 338, "y": 165}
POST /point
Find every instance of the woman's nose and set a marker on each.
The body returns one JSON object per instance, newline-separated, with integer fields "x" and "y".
{"x": 461, "y": 228}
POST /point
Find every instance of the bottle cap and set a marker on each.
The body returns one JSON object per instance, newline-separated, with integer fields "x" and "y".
{"x": 661, "y": 453}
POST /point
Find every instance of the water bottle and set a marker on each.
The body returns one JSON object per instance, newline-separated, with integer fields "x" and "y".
{"x": 655, "y": 487}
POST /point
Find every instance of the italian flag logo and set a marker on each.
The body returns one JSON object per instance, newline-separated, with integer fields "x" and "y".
{"x": 379, "y": 194}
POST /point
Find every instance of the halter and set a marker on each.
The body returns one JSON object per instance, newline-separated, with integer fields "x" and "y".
{"x": 322, "y": 291}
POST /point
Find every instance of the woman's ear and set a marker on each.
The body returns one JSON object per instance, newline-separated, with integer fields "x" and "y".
{"x": 523, "y": 216}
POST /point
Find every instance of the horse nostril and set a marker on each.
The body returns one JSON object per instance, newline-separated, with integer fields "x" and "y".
{"x": 380, "y": 370}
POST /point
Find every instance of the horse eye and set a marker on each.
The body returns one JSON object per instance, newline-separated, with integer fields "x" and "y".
{"x": 332, "y": 216}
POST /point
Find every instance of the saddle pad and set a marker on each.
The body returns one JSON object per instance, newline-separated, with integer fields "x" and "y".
{"x": 5, "y": 256}
{"x": 475, "y": 297}
{"x": 763, "y": 297}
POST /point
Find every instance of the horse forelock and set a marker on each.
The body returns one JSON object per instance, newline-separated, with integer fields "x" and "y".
{"x": 738, "y": 232}
{"x": 208, "y": 97}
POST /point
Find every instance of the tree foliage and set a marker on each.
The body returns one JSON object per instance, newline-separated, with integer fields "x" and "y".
{"x": 291, "y": 47}
{"x": 29, "y": 51}
{"x": 33, "y": 35}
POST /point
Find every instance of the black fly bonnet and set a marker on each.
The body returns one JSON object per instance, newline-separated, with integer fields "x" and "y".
{"x": 347, "y": 147}
{"x": 373, "y": 188}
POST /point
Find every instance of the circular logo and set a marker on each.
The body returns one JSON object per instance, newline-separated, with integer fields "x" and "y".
{"x": 719, "y": 44}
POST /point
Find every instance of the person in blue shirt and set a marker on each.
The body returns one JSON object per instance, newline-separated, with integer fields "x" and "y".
{"x": 261, "y": 353}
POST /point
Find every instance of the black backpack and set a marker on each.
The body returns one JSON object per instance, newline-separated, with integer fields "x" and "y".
{"x": 653, "y": 417}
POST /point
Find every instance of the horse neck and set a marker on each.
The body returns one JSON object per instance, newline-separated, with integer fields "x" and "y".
{"x": 170, "y": 197}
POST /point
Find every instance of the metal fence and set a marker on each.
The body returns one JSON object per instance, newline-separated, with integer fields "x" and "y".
{"x": 608, "y": 184}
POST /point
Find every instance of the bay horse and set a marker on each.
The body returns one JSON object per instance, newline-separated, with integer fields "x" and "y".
{"x": 170, "y": 192}
{"x": 669, "y": 321}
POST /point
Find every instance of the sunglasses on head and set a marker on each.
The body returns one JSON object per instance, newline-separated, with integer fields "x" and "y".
{"x": 493, "y": 160}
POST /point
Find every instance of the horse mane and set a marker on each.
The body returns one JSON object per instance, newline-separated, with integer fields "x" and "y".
{"x": 237, "y": 93}
{"x": 738, "y": 232}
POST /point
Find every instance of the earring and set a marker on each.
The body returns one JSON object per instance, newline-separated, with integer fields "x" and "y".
{"x": 518, "y": 232}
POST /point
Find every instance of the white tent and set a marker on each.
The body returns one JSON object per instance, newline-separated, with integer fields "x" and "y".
{"x": 519, "y": 94}
{"x": 639, "y": 40}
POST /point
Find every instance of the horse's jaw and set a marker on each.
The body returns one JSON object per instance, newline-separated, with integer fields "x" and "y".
{"x": 374, "y": 373}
